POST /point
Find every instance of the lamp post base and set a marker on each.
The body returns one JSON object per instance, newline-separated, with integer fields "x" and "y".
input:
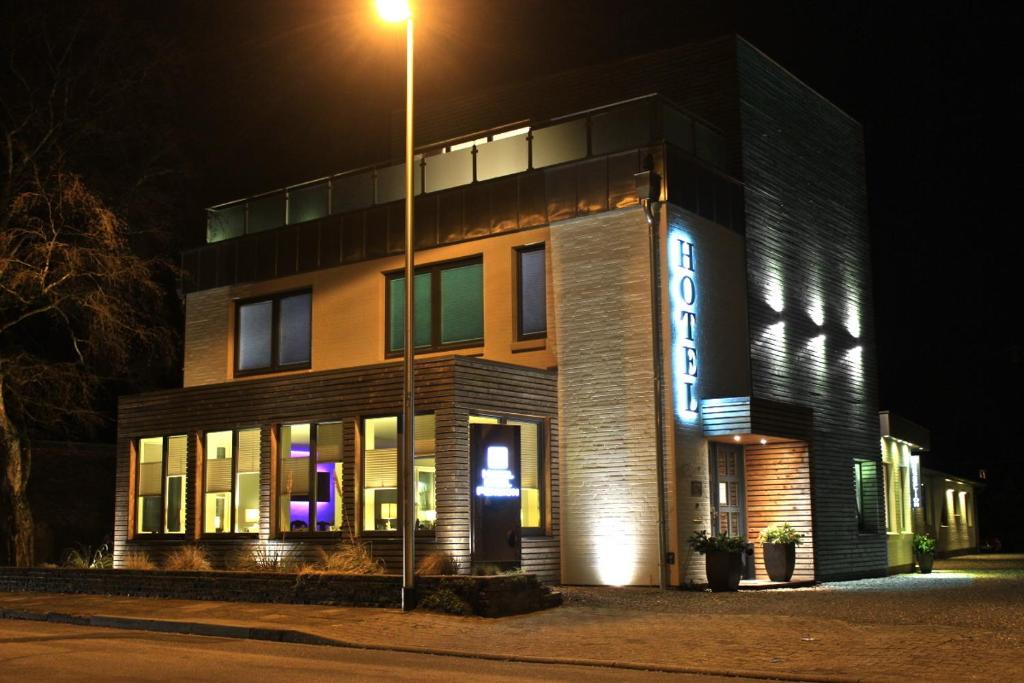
{"x": 408, "y": 599}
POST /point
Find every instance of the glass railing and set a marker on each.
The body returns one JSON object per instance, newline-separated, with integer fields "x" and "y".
{"x": 476, "y": 158}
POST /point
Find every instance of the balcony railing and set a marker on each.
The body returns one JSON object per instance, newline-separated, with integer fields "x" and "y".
{"x": 474, "y": 158}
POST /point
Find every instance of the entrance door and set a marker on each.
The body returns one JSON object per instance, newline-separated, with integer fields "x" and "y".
{"x": 728, "y": 505}
{"x": 495, "y": 478}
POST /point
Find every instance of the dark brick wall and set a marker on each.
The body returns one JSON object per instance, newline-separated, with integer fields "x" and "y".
{"x": 488, "y": 596}
{"x": 808, "y": 251}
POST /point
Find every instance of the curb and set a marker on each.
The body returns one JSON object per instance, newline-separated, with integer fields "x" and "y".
{"x": 302, "y": 638}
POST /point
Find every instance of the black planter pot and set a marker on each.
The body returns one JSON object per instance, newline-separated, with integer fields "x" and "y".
{"x": 723, "y": 569}
{"x": 924, "y": 561}
{"x": 779, "y": 560}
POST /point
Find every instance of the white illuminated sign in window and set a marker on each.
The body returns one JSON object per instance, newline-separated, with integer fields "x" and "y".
{"x": 683, "y": 299}
{"x": 496, "y": 477}
{"x": 915, "y": 481}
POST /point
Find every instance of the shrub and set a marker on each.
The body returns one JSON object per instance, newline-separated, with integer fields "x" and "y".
{"x": 702, "y": 543}
{"x": 136, "y": 559}
{"x": 188, "y": 558}
{"x": 438, "y": 563}
{"x": 445, "y": 600}
{"x": 348, "y": 558}
{"x": 781, "y": 534}
{"x": 924, "y": 544}
{"x": 83, "y": 557}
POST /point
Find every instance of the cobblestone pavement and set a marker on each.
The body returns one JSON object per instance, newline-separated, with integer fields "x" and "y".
{"x": 963, "y": 622}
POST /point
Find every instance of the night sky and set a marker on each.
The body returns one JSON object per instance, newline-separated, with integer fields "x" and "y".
{"x": 275, "y": 92}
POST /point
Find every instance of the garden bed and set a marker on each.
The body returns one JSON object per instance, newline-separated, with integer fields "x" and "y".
{"x": 487, "y": 596}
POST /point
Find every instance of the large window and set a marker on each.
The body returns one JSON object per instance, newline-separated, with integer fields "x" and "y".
{"x": 381, "y": 441}
{"x": 160, "y": 485}
{"x": 273, "y": 334}
{"x": 531, "y": 293}
{"x": 531, "y": 464}
{"x": 232, "y": 482}
{"x": 311, "y": 477}
{"x": 866, "y": 482}
{"x": 449, "y": 307}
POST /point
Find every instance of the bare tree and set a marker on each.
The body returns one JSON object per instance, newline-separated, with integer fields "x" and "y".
{"x": 79, "y": 304}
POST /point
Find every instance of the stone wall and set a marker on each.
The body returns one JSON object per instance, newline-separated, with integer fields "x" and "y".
{"x": 487, "y": 596}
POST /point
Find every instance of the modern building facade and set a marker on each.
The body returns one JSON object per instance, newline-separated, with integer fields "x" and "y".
{"x": 704, "y": 360}
{"x": 920, "y": 500}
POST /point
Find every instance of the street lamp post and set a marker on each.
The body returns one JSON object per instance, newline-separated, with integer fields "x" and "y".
{"x": 398, "y": 10}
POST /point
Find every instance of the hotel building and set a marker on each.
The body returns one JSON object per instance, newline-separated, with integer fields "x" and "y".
{"x": 702, "y": 360}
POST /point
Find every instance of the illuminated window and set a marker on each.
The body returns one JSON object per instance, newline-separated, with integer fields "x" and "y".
{"x": 965, "y": 505}
{"x": 273, "y": 334}
{"x": 531, "y": 464}
{"x": 449, "y": 307}
{"x": 161, "y": 482}
{"x": 231, "y": 484}
{"x": 947, "y": 508}
{"x": 890, "y": 503}
{"x": 531, "y": 295}
{"x": 311, "y": 478}
{"x": 380, "y": 473}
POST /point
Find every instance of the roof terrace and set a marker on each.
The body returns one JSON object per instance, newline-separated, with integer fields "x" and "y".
{"x": 521, "y": 175}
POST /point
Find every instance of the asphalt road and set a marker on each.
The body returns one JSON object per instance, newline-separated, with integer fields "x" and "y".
{"x": 39, "y": 651}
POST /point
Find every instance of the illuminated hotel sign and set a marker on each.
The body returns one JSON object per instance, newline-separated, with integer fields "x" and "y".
{"x": 496, "y": 477}
{"x": 915, "y": 481}
{"x": 683, "y": 298}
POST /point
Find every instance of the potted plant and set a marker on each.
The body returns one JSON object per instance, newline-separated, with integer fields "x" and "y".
{"x": 778, "y": 544}
{"x": 924, "y": 551}
{"x": 723, "y": 558}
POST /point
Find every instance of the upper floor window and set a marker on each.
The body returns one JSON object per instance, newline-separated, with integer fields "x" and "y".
{"x": 232, "y": 482}
{"x": 273, "y": 333}
{"x": 160, "y": 485}
{"x": 448, "y": 307}
{"x": 531, "y": 293}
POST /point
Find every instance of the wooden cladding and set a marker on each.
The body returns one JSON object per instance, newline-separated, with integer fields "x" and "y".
{"x": 451, "y": 387}
{"x": 778, "y": 490}
{"x": 746, "y": 415}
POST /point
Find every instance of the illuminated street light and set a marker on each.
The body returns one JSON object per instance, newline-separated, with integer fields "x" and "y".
{"x": 396, "y": 11}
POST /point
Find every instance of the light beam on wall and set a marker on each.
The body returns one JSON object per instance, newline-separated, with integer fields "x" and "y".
{"x": 853, "y": 319}
{"x": 855, "y": 360}
{"x": 616, "y": 551}
{"x": 774, "y": 295}
{"x": 816, "y": 310}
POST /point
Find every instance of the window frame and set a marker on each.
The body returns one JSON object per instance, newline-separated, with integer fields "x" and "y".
{"x": 310, "y": 531}
{"x": 518, "y": 291}
{"x": 201, "y": 522}
{"x": 434, "y": 269}
{"x": 275, "y": 333}
{"x": 165, "y": 449}
{"x": 360, "y": 483}
{"x": 543, "y": 466}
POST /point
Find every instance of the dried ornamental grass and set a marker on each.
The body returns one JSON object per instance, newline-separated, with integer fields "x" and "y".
{"x": 137, "y": 559}
{"x": 438, "y": 563}
{"x": 265, "y": 558}
{"x": 348, "y": 558}
{"x": 189, "y": 558}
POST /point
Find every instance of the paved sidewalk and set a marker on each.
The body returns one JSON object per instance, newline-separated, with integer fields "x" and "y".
{"x": 965, "y": 622}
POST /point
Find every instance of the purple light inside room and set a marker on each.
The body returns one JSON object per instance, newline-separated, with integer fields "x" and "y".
{"x": 299, "y": 510}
